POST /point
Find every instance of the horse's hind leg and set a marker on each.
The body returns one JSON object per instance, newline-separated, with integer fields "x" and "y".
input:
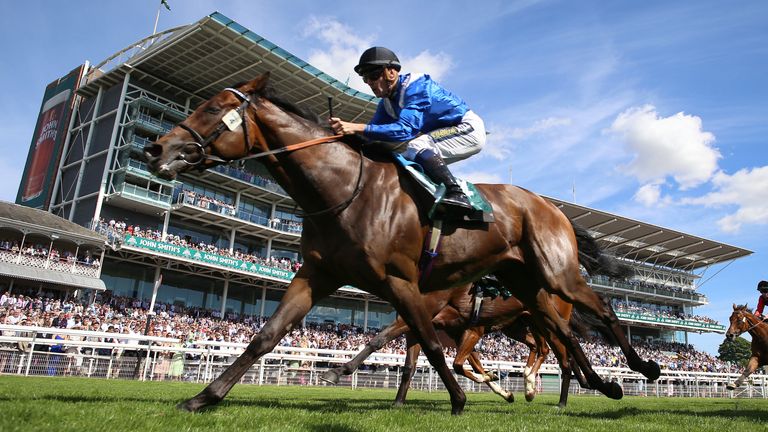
{"x": 547, "y": 319}
{"x": 559, "y": 274}
{"x": 397, "y": 328}
{"x": 296, "y": 303}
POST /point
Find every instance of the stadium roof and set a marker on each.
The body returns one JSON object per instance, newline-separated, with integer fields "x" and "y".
{"x": 41, "y": 222}
{"x": 199, "y": 59}
{"x": 651, "y": 244}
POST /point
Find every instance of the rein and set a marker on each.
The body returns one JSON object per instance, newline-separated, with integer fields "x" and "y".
{"x": 752, "y": 327}
{"x": 237, "y": 117}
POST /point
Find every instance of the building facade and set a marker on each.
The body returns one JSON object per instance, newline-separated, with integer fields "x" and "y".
{"x": 227, "y": 239}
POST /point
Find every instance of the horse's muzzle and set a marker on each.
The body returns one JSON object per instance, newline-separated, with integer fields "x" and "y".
{"x": 730, "y": 336}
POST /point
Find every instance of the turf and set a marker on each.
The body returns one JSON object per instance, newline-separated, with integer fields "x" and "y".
{"x": 73, "y": 404}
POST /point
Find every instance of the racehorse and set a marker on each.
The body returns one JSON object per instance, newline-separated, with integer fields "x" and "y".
{"x": 495, "y": 314}
{"x": 365, "y": 226}
{"x": 744, "y": 321}
{"x": 505, "y": 315}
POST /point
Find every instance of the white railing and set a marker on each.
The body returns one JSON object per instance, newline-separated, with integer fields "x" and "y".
{"x": 50, "y": 264}
{"x": 154, "y": 358}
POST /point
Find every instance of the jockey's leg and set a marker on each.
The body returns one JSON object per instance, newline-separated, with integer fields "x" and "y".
{"x": 438, "y": 171}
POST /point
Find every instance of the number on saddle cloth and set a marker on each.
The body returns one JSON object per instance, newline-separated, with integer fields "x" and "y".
{"x": 483, "y": 210}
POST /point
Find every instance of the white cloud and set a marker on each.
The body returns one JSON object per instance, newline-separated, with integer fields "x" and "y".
{"x": 480, "y": 177}
{"x": 747, "y": 189}
{"x": 343, "y": 48}
{"x": 501, "y": 139}
{"x": 649, "y": 194}
{"x": 673, "y": 146}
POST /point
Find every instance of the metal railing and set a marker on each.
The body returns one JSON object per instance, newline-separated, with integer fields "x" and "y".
{"x": 153, "y": 358}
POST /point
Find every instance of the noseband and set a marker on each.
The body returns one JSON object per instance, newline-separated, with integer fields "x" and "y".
{"x": 228, "y": 121}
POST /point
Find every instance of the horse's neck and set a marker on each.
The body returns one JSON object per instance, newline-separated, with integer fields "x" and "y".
{"x": 316, "y": 177}
{"x": 758, "y": 327}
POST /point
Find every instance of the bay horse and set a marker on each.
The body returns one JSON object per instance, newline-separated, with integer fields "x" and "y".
{"x": 744, "y": 321}
{"x": 497, "y": 314}
{"x": 365, "y": 225}
{"x": 504, "y": 315}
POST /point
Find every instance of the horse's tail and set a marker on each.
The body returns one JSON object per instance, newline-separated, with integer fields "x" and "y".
{"x": 595, "y": 260}
{"x": 580, "y": 324}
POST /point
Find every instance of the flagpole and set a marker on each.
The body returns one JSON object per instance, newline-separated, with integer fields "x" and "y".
{"x": 157, "y": 18}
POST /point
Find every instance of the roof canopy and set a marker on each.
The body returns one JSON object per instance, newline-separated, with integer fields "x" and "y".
{"x": 200, "y": 59}
{"x": 41, "y": 222}
{"x": 651, "y": 244}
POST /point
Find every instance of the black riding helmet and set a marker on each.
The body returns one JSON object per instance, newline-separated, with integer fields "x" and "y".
{"x": 762, "y": 286}
{"x": 377, "y": 57}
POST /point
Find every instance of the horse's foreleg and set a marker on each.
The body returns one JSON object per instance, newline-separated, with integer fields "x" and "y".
{"x": 394, "y": 330}
{"x": 409, "y": 304}
{"x": 409, "y": 368}
{"x": 751, "y": 367}
{"x": 296, "y": 303}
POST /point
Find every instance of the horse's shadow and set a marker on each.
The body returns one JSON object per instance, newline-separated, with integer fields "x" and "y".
{"x": 747, "y": 414}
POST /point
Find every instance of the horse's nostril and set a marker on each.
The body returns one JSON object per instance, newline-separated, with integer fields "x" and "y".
{"x": 153, "y": 150}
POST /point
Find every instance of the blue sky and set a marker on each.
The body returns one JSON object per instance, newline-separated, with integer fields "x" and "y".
{"x": 654, "y": 110}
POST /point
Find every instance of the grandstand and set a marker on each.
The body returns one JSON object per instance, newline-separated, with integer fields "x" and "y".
{"x": 227, "y": 240}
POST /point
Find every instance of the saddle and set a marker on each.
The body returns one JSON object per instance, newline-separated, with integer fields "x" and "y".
{"x": 483, "y": 212}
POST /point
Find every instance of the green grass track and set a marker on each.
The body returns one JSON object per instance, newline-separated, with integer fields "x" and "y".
{"x": 76, "y": 404}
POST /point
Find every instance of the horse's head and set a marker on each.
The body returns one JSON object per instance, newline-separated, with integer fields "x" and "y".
{"x": 219, "y": 130}
{"x": 739, "y": 322}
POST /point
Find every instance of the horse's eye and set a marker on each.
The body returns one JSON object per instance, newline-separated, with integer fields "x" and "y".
{"x": 213, "y": 110}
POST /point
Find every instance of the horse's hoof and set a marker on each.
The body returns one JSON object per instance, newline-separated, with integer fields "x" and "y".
{"x": 397, "y": 404}
{"x": 731, "y": 387}
{"x": 529, "y": 397}
{"x": 492, "y": 376}
{"x": 189, "y": 406}
{"x": 561, "y": 405}
{"x": 330, "y": 377}
{"x": 457, "y": 404}
{"x": 614, "y": 391}
{"x": 510, "y": 398}
{"x": 653, "y": 371}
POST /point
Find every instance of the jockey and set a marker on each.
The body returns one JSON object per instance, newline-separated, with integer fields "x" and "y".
{"x": 417, "y": 117}
{"x": 762, "y": 286}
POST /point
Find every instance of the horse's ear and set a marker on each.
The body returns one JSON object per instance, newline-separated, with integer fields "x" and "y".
{"x": 257, "y": 84}
{"x": 734, "y": 306}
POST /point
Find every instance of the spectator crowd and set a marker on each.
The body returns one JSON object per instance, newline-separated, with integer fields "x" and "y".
{"x": 122, "y": 315}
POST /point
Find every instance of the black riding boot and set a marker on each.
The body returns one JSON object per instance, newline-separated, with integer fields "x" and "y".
{"x": 455, "y": 201}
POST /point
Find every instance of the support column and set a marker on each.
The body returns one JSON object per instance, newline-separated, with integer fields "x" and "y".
{"x": 269, "y": 248}
{"x": 166, "y": 222}
{"x": 111, "y": 149}
{"x": 263, "y": 301}
{"x": 365, "y": 317}
{"x": 84, "y": 158}
{"x": 224, "y": 297}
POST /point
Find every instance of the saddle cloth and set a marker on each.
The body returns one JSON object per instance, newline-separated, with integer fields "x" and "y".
{"x": 483, "y": 210}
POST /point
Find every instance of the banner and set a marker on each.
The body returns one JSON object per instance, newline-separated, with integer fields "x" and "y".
{"x": 47, "y": 141}
{"x": 205, "y": 257}
{"x": 666, "y": 320}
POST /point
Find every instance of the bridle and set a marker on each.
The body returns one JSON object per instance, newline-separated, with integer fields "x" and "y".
{"x": 744, "y": 319}
{"x": 204, "y": 143}
{"x": 237, "y": 117}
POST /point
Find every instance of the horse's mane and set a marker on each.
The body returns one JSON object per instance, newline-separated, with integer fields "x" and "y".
{"x": 269, "y": 93}
{"x": 744, "y": 306}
